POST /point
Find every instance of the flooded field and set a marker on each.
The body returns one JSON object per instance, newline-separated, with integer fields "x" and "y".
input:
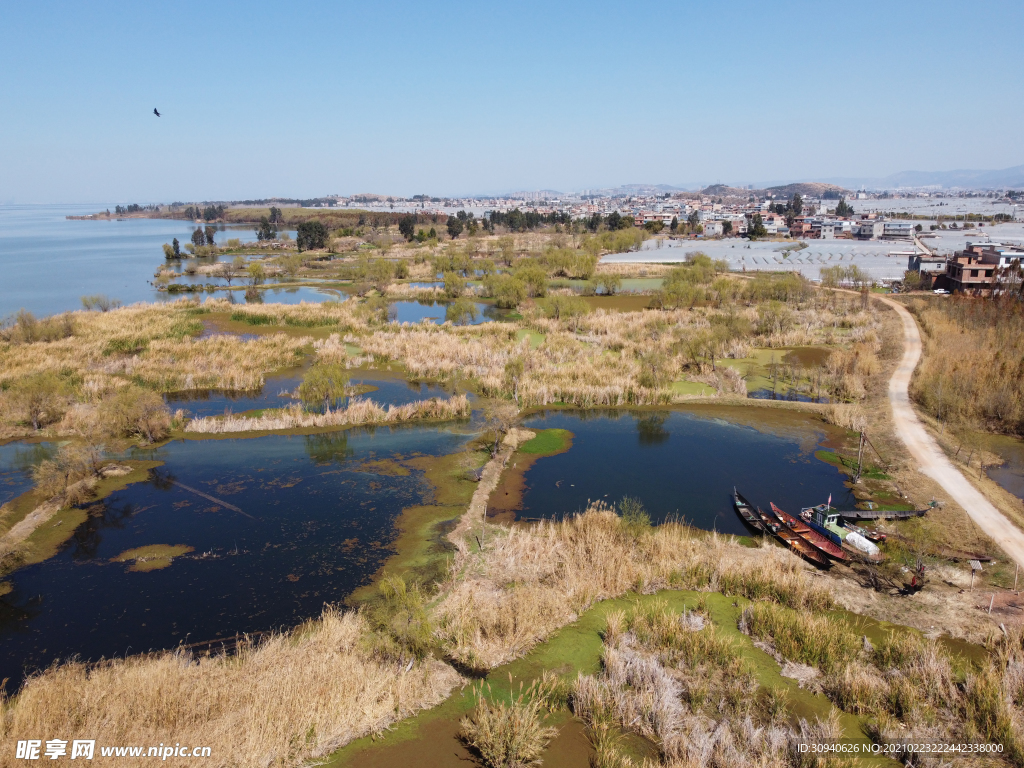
{"x": 16, "y": 463}
{"x": 681, "y": 464}
{"x": 277, "y": 391}
{"x": 228, "y": 536}
{"x": 439, "y": 312}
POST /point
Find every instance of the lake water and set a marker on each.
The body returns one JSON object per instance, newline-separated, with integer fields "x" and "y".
{"x": 277, "y": 389}
{"x": 438, "y": 312}
{"x": 48, "y": 262}
{"x": 317, "y": 523}
{"x": 1010, "y": 474}
{"x": 16, "y": 463}
{"x": 682, "y": 464}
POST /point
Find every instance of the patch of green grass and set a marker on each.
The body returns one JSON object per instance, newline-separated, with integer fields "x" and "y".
{"x": 152, "y": 557}
{"x": 536, "y": 339}
{"x": 548, "y": 442}
{"x": 684, "y": 387}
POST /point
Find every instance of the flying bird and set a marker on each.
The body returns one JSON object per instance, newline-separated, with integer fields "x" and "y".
{"x": 155, "y": 112}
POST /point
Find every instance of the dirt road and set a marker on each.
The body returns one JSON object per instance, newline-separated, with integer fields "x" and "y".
{"x": 933, "y": 462}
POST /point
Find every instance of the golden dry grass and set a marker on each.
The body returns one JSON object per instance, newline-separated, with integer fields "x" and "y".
{"x": 289, "y": 700}
{"x": 530, "y": 581}
{"x": 358, "y": 412}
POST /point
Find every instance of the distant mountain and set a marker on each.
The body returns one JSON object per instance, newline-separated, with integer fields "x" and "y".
{"x": 1007, "y": 178}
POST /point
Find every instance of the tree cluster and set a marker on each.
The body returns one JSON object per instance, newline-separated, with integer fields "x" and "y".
{"x": 311, "y": 236}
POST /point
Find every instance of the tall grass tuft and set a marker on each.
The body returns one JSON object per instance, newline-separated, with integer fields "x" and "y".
{"x": 820, "y": 641}
{"x": 508, "y": 734}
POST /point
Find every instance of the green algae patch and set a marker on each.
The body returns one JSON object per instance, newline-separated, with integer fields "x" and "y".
{"x": 385, "y": 467}
{"x": 420, "y": 549}
{"x": 46, "y": 540}
{"x": 548, "y": 442}
{"x": 684, "y": 387}
{"x": 431, "y": 737}
{"x": 536, "y": 339}
{"x": 152, "y": 557}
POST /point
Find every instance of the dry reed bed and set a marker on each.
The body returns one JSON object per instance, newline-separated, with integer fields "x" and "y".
{"x": 152, "y": 343}
{"x": 675, "y": 680}
{"x": 615, "y": 359}
{"x": 289, "y": 700}
{"x": 973, "y": 364}
{"x": 531, "y": 581}
{"x": 358, "y": 412}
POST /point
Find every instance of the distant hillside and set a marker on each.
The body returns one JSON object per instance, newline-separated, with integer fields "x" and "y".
{"x": 967, "y": 179}
{"x": 804, "y": 189}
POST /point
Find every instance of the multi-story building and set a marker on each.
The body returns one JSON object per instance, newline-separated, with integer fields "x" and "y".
{"x": 898, "y": 230}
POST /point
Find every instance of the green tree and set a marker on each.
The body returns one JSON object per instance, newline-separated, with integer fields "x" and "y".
{"x": 276, "y": 217}
{"x": 693, "y": 220}
{"x": 265, "y": 230}
{"x": 177, "y": 248}
{"x": 324, "y": 383}
{"x": 169, "y": 251}
{"x": 380, "y": 272}
{"x": 407, "y": 226}
{"x": 455, "y": 226}
{"x": 460, "y": 312}
{"x": 533, "y": 276}
{"x": 610, "y": 283}
{"x": 570, "y": 308}
{"x": 798, "y": 204}
{"x": 198, "y": 238}
{"x": 507, "y": 291}
{"x": 615, "y": 221}
{"x": 843, "y": 209}
{"x": 674, "y": 225}
{"x": 454, "y": 285}
{"x": 311, "y": 236}
{"x": 210, "y": 232}
{"x": 257, "y": 275}
{"x": 726, "y": 227}
{"x": 756, "y": 227}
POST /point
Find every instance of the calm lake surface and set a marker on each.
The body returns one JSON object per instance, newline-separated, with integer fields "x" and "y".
{"x": 437, "y": 312}
{"x": 1010, "y": 475}
{"x": 49, "y": 262}
{"x": 16, "y": 463}
{"x": 681, "y": 464}
{"x": 316, "y": 523}
{"x": 387, "y": 390}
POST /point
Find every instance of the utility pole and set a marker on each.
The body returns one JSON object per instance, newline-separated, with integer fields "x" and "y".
{"x": 860, "y": 456}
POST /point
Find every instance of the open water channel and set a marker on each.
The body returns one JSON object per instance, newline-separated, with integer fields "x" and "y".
{"x": 683, "y": 464}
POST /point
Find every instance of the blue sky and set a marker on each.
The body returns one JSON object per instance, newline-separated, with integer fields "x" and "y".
{"x": 304, "y": 99}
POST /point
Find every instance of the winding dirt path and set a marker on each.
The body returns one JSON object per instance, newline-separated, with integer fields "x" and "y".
{"x": 933, "y": 462}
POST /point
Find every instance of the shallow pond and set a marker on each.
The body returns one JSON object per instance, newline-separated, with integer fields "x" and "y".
{"x": 439, "y": 311}
{"x": 16, "y": 463}
{"x": 682, "y": 464}
{"x": 1010, "y": 474}
{"x": 276, "y": 393}
{"x": 312, "y": 521}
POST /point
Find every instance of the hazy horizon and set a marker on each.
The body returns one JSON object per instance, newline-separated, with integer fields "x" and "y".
{"x": 270, "y": 100}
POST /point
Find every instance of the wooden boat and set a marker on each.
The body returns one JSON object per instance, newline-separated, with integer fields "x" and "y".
{"x": 746, "y": 510}
{"x": 825, "y": 521}
{"x": 809, "y": 535}
{"x": 791, "y": 540}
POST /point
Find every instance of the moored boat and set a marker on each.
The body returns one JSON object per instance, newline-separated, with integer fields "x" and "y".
{"x": 811, "y": 536}
{"x": 746, "y": 511}
{"x": 825, "y": 521}
{"x": 791, "y": 540}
